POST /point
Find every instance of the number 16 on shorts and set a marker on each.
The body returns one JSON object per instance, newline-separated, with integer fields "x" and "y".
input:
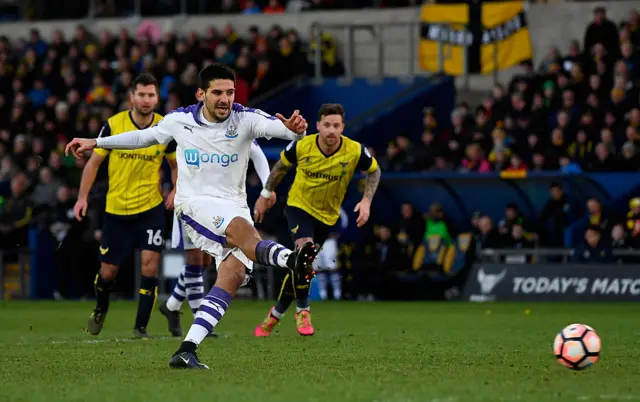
{"x": 154, "y": 237}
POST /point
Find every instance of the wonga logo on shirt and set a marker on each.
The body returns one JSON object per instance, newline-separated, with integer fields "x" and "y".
{"x": 194, "y": 157}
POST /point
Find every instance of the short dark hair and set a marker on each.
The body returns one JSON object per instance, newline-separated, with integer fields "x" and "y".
{"x": 215, "y": 71}
{"x": 144, "y": 80}
{"x": 329, "y": 109}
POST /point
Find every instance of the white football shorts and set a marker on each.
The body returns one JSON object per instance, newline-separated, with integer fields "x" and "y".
{"x": 179, "y": 238}
{"x": 205, "y": 222}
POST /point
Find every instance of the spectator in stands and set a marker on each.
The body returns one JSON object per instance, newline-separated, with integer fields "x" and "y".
{"x": 274, "y": 7}
{"x": 441, "y": 165}
{"x": 398, "y": 157}
{"x": 602, "y": 30}
{"x": 251, "y": 7}
{"x": 581, "y": 150}
{"x": 517, "y": 165}
{"x": 550, "y": 61}
{"x": 517, "y": 239}
{"x": 512, "y": 215}
{"x": 411, "y": 225}
{"x": 384, "y": 257}
{"x": 331, "y": 65}
{"x": 482, "y": 128}
{"x": 597, "y": 216}
{"x": 429, "y": 119}
{"x": 630, "y": 160}
{"x": 489, "y": 236}
{"x": 475, "y": 226}
{"x": 555, "y": 216}
{"x": 595, "y": 249}
{"x": 426, "y": 151}
{"x": 474, "y": 160}
{"x": 438, "y": 224}
{"x": 455, "y": 139}
{"x": 632, "y": 223}
{"x": 500, "y": 151}
{"x": 15, "y": 214}
{"x": 604, "y": 161}
{"x": 43, "y": 195}
{"x": 619, "y": 237}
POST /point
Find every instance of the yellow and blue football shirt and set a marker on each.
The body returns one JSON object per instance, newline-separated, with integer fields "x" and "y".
{"x": 322, "y": 180}
{"x": 134, "y": 174}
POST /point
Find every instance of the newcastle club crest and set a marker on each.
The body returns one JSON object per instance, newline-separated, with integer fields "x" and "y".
{"x": 232, "y": 132}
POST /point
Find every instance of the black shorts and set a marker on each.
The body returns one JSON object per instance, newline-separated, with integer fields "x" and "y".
{"x": 122, "y": 234}
{"x": 302, "y": 224}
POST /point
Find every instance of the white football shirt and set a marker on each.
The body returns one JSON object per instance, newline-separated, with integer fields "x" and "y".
{"x": 212, "y": 157}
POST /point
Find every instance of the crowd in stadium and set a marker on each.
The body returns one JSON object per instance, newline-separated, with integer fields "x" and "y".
{"x": 56, "y": 9}
{"x": 574, "y": 112}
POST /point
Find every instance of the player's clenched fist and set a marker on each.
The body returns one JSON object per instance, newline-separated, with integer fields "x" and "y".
{"x": 79, "y": 145}
{"x": 295, "y": 123}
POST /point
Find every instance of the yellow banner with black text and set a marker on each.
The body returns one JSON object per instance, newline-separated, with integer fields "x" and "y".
{"x": 476, "y": 37}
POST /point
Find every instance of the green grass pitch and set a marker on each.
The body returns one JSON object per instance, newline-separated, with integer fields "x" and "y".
{"x": 400, "y": 352}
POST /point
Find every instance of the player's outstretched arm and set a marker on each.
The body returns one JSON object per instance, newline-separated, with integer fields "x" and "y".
{"x": 294, "y": 128}
{"x": 130, "y": 140}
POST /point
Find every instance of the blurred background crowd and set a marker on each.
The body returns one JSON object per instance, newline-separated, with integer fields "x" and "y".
{"x": 42, "y": 9}
{"x": 577, "y": 111}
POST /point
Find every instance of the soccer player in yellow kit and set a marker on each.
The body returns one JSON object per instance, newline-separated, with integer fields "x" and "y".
{"x": 325, "y": 163}
{"x": 134, "y": 215}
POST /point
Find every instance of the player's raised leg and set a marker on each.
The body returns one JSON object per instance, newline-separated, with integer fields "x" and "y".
{"x": 242, "y": 234}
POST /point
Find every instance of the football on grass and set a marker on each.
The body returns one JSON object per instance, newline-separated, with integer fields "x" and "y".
{"x": 577, "y": 346}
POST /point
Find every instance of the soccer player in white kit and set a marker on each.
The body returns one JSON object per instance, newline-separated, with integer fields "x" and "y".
{"x": 190, "y": 286}
{"x": 214, "y": 140}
